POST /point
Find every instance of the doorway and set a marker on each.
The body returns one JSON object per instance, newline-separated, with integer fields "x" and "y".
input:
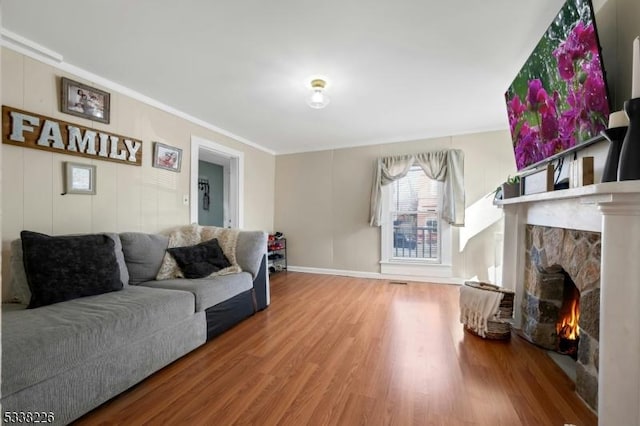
{"x": 213, "y": 193}
{"x": 222, "y": 170}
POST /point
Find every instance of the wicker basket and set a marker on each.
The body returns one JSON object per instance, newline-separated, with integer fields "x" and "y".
{"x": 498, "y": 328}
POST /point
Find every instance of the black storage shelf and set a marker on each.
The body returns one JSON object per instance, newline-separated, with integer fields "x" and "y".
{"x": 277, "y": 255}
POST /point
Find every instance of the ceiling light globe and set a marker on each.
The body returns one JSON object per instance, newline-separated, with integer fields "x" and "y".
{"x": 318, "y": 99}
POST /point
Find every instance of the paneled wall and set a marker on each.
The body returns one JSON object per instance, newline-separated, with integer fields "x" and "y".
{"x": 128, "y": 198}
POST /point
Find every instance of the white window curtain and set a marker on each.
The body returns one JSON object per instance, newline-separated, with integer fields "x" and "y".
{"x": 446, "y": 166}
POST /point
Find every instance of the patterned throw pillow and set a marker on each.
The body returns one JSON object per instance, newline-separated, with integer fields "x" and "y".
{"x": 68, "y": 267}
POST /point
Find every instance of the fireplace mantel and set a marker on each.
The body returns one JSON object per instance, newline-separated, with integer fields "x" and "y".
{"x": 614, "y": 210}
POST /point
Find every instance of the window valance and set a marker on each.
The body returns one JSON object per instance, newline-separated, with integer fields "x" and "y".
{"x": 446, "y": 166}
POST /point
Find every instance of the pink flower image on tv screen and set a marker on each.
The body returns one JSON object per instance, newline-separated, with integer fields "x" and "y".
{"x": 559, "y": 98}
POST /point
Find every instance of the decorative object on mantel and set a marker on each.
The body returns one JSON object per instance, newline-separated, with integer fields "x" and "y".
{"x": 85, "y": 101}
{"x": 29, "y": 130}
{"x": 540, "y": 180}
{"x": 167, "y": 157}
{"x": 581, "y": 172}
{"x": 79, "y": 178}
{"x": 618, "y": 123}
{"x": 509, "y": 189}
{"x": 486, "y": 310}
{"x": 203, "y": 185}
{"x": 629, "y": 167}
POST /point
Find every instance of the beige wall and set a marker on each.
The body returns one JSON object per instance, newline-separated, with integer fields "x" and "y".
{"x": 129, "y": 198}
{"x": 322, "y": 202}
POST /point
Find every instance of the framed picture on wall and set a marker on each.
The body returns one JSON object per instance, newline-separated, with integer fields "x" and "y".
{"x": 85, "y": 101}
{"x": 166, "y": 157}
{"x": 79, "y": 178}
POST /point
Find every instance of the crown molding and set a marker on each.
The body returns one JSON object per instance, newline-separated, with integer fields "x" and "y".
{"x": 43, "y": 54}
{"x": 28, "y": 47}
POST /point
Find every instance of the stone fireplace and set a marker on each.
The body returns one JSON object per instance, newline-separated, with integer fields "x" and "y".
{"x": 611, "y": 210}
{"x": 562, "y": 275}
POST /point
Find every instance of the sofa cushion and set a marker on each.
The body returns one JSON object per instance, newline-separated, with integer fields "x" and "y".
{"x": 208, "y": 291}
{"x": 19, "y": 285}
{"x": 143, "y": 254}
{"x": 38, "y": 344}
{"x": 201, "y": 260}
{"x": 67, "y": 267}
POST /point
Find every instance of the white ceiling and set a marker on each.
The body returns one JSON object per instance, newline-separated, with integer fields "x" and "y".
{"x": 399, "y": 69}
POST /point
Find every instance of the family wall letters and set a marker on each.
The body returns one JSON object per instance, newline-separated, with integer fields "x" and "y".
{"x": 29, "y": 130}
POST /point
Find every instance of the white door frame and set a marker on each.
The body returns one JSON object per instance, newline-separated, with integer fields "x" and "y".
{"x": 236, "y": 179}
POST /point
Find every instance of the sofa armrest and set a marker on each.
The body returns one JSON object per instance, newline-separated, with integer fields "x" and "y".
{"x": 250, "y": 249}
{"x": 261, "y": 288}
{"x": 251, "y": 254}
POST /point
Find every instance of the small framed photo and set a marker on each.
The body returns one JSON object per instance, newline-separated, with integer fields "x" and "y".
{"x": 166, "y": 157}
{"x": 85, "y": 101}
{"x": 79, "y": 178}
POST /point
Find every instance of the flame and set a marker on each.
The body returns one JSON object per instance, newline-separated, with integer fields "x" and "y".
{"x": 567, "y": 327}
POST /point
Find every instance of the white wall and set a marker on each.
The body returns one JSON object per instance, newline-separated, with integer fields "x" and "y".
{"x": 128, "y": 198}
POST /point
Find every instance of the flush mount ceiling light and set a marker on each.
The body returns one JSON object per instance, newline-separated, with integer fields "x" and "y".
{"x": 318, "y": 98}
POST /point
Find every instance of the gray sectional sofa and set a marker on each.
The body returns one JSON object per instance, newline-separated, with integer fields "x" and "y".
{"x": 64, "y": 359}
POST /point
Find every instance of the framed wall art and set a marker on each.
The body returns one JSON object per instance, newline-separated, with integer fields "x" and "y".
{"x": 85, "y": 101}
{"x": 79, "y": 178}
{"x": 166, "y": 157}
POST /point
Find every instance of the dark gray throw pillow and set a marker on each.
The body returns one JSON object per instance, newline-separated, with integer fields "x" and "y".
{"x": 201, "y": 260}
{"x": 68, "y": 267}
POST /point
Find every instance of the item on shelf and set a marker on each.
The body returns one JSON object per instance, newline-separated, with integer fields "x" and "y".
{"x": 277, "y": 252}
{"x": 511, "y": 188}
{"x": 629, "y": 166}
{"x": 615, "y": 136}
{"x": 540, "y": 180}
{"x": 581, "y": 172}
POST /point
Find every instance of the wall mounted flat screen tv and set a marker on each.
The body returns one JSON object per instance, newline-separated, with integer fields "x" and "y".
{"x": 559, "y": 98}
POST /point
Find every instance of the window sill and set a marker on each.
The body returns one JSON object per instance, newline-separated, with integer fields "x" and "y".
{"x": 421, "y": 269}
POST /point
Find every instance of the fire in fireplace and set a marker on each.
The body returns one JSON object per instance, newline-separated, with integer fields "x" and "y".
{"x": 568, "y": 318}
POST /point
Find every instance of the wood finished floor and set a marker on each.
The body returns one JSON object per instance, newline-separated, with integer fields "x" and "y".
{"x": 345, "y": 351}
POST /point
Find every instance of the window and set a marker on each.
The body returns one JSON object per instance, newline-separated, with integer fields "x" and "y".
{"x": 415, "y": 241}
{"x": 415, "y": 201}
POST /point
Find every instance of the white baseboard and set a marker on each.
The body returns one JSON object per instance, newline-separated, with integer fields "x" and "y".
{"x": 376, "y": 275}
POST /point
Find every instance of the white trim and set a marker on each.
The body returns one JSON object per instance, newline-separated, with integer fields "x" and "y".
{"x": 33, "y": 50}
{"x": 28, "y": 47}
{"x": 377, "y": 275}
{"x": 236, "y": 181}
{"x": 226, "y": 191}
